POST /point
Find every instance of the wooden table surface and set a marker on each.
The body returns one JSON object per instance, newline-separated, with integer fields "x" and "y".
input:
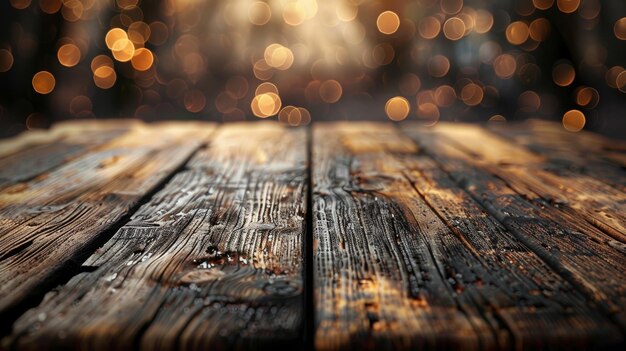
{"x": 191, "y": 235}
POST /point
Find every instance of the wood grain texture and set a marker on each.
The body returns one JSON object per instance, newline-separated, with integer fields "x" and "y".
{"x": 50, "y": 222}
{"x": 67, "y": 142}
{"x": 567, "y": 151}
{"x": 531, "y": 174}
{"x": 400, "y": 268}
{"x": 212, "y": 261}
{"x": 589, "y": 259}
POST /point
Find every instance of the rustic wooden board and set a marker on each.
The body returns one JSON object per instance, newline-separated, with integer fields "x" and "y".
{"x": 68, "y": 141}
{"x": 565, "y": 150}
{"x": 589, "y": 259}
{"x": 213, "y": 260}
{"x": 396, "y": 267}
{"x": 50, "y": 222}
{"x": 530, "y": 174}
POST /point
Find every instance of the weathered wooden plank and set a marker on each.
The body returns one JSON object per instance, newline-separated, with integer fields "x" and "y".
{"x": 50, "y": 222}
{"x": 71, "y": 141}
{"x": 579, "y": 194}
{"x": 564, "y": 150}
{"x": 588, "y": 258}
{"x": 390, "y": 272}
{"x": 212, "y": 261}
{"x": 38, "y": 137}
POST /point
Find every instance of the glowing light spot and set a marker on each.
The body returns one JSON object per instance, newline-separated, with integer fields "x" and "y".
{"x": 50, "y": 6}
{"x": 444, "y": 96}
{"x": 612, "y": 74}
{"x": 278, "y": 56}
{"x": 99, "y": 61}
{"x": 483, "y": 22}
{"x": 123, "y": 50}
{"x": 69, "y": 55}
{"x": 587, "y": 97}
{"x": 543, "y": 4}
{"x": 265, "y": 105}
{"x": 43, "y": 82}
{"x": 330, "y": 91}
{"x": 438, "y": 66}
{"x": 139, "y": 32}
{"x": 104, "y": 77}
{"x": 504, "y": 66}
{"x": 472, "y": 94}
{"x": 259, "y": 13}
{"x": 266, "y": 87}
{"x": 563, "y": 74}
{"x": 517, "y": 33}
{"x": 142, "y": 60}
{"x": 388, "y": 22}
{"x": 529, "y": 101}
{"x": 539, "y": 29}
{"x": 194, "y": 101}
{"x": 497, "y": 119}
{"x": 397, "y": 108}
{"x": 347, "y": 11}
{"x": 20, "y": 4}
{"x": 429, "y": 27}
{"x": 567, "y": 6}
{"x": 454, "y": 28}
{"x": 6, "y": 60}
{"x": 620, "y": 28}
{"x": 427, "y": 113}
{"x": 294, "y": 14}
{"x": 158, "y": 33}
{"x": 451, "y": 7}
{"x": 573, "y": 120}
{"x": 113, "y": 36}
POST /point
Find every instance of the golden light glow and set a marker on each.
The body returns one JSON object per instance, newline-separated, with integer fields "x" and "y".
{"x": 483, "y": 22}
{"x": 451, "y": 7}
{"x": 454, "y": 28}
{"x": 6, "y": 60}
{"x": 259, "y": 13}
{"x": 330, "y": 91}
{"x": 587, "y": 97}
{"x": 504, "y": 65}
{"x": 620, "y": 28}
{"x": 427, "y": 113}
{"x": 438, "y": 66}
{"x": 113, "y": 36}
{"x": 388, "y": 22}
{"x": 50, "y": 6}
{"x": 567, "y": 6}
{"x": 123, "y": 50}
{"x": 104, "y": 77}
{"x": 539, "y": 29}
{"x": 68, "y": 55}
{"x": 543, "y": 4}
{"x": 43, "y": 82}
{"x": 563, "y": 74}
{"x": 194, "y": 101}
{"x": 265, "y": 105}
{"x": 574, "y": 120}
{"x": 472, "y": 94}
{"x": 517, "y": 33}
{"x": 429, "y": 27}
{"x": 397, "y": 108}
{"x": 278, "y": 56}
{"x": 142, "y": 59}
{"x": 294, "y": 13}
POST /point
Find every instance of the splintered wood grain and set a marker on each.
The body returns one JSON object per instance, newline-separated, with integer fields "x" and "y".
{"x": 589, "y": 259}
{"x": 49, "y": 222}
{"x": 398, "y": 268}
{"x": 567, "y": 151}
{"x": 63, "y": 143}
{"x": 212, "y": 261}
{"x": 531, "y": 174}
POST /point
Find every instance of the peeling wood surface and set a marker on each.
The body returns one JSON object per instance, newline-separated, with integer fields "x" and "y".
{"x": 189, "y": 236}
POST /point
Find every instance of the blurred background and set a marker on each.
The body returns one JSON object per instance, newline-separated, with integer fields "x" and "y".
{"x": 301, "y": 61}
